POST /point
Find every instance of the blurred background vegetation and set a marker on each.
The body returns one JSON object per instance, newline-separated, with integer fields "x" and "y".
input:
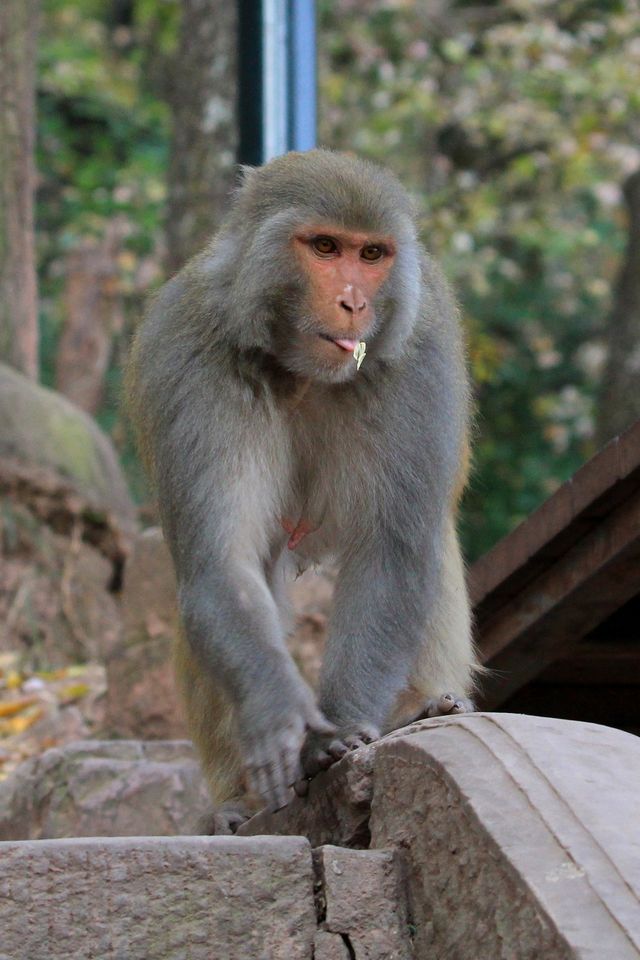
{"x": 516, "y": 126}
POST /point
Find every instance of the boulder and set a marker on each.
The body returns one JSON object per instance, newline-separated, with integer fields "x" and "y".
{"x": 56, "y": 605}
{"x": 104, "y": 788}
{"x": 40, "y": 427}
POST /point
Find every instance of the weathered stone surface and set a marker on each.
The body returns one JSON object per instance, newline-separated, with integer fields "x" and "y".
{"x": 59, "y": 560}
{"x": 520, "y": 833}
{"x": 40, "y": 426}
{"x": 330, "y": 946}
{"x": 111, "y": 788}
{"x": 311, "y": 597}
{"x": 365, "y": 901}
{"x": 336, "y": 809}
{"x": 157, "y": 899}
{"x": 142, "y": 696}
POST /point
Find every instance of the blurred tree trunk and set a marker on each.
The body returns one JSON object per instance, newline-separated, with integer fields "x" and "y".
{"x": 204, "y": 136}
{"x": 620, "y": 395}
{"x": 93, "y": 314}
{"x": 18, "y": 292}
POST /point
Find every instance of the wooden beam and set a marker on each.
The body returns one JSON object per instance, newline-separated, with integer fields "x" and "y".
{"x": 597, "y": 664}
{"x": 580, "y": 503}
{"x": 565, "y": 595}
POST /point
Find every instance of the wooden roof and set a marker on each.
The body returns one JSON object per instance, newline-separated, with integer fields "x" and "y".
{"x": 565, "y": 571}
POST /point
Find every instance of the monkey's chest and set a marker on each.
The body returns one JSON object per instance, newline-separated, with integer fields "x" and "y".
{"x": 318, "y": 512}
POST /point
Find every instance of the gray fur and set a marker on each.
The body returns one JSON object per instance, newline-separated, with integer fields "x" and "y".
{"x": 372, "y": 458}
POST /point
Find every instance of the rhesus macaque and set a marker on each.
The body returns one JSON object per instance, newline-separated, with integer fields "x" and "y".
{"x": 271, "y": 449}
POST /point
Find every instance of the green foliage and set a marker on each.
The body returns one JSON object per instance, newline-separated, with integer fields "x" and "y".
{"x": 513, "y": 124}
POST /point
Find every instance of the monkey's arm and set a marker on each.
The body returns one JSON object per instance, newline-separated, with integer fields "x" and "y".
{"x": 382, "y": 600}
{"x": 232, "y": 625}
{"x": 213, "y": 458}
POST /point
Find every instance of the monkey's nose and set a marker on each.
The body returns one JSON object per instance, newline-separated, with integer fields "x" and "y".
{"x": 352, "y": 301}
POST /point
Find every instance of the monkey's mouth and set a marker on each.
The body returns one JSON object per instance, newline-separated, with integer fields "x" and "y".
{"x": 343, "y": 342}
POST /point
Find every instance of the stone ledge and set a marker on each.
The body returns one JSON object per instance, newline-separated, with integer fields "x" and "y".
{"x": 157, "y": 898}
{"x": 513, "y": 830}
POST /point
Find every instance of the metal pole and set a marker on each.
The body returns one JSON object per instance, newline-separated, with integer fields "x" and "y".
{"x": 277, "y": 78}
{"x": 302, "y": 75}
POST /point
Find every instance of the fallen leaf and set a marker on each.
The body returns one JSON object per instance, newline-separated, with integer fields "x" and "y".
{"x": 11, "y": 707}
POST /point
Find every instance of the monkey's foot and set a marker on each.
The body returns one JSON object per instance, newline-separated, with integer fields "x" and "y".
{"x": 446, "y": 706}
{"x": 321, "y": 751}
{"x": 224, "y": 820}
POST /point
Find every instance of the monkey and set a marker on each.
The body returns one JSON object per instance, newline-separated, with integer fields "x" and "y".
{"x": 300, "y": 393}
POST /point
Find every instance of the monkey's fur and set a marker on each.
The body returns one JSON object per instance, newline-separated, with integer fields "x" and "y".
{"x": 241, "y": 428}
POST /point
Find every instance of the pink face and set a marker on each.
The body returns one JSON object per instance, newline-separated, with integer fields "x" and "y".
{"x": 345, "y": 270}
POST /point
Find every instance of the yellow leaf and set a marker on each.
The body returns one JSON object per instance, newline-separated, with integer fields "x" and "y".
{"x": 14, "y": 725}
{"x": 11, "y": 707}
{"x": 74, "y": 692}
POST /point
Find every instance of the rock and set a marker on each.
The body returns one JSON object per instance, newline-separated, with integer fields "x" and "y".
{"x": 375, "y": 923}
{"x": 112, "y": 788}
{"x": 41, "y": 427}
{"x": 142, "y": 698}
{"x": 56, "y": 606}
{"x": 311, "y": 597}
{"x": 508, "y": 836}
{"x": 157, "y": 898}
{"x": 67, "y": 517}
{"x": 330, "y": 946}
{"x": 520, "y": 836}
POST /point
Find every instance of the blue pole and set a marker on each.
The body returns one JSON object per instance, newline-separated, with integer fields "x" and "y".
{"x": 302, "y": 75}
{"x": 276, "y": 78}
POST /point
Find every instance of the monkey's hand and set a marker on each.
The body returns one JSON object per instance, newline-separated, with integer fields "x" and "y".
{"x": 272, "y": 741}
{"x": 321, "y": 751}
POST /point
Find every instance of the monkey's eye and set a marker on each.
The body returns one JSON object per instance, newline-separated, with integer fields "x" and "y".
{"x": 372, "y": 252}
{"x": 324, "y": 246}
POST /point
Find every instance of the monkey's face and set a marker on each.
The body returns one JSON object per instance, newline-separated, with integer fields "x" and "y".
{"x": 342, "y": 273}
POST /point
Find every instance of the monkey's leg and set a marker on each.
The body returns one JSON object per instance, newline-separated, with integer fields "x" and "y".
{"x": 377, "y": 630}
{"x": 380, "y": 671}
{"x": 210, "y": 721}
{"x": 442, "y": 680}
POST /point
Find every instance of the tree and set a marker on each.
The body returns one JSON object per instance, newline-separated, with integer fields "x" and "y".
{"x": 620, "y": 396}
{"x": 18, "y": 291}
{"x": 204, "y": 129}
{"x": 93, "y": 316}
